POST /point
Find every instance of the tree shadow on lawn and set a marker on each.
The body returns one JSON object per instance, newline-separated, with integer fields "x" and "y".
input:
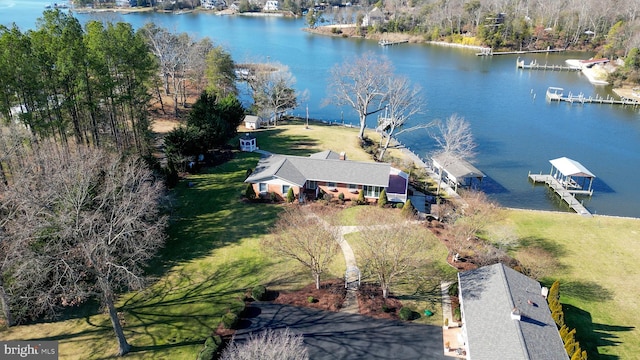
{"x": 179, "y": 314}
{"x": 554, "y": 248}
{"x": 273, "y": 140}
{"x": 210, "y": 214}
{"x": 585, "y": 290}
{"x": 592, "y": 335}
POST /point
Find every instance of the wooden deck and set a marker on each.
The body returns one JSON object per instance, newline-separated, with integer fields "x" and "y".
{"x": 389, "y": 43}
{"x": 581, "y": 99}
{"x": 533, "y": 65}
{"x": 490, "y": 52}
{"x": 565, "y": 194}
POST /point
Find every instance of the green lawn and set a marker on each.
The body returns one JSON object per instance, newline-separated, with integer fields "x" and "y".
{"x": 598, "y": 276}
{"x": 213, "y": 255}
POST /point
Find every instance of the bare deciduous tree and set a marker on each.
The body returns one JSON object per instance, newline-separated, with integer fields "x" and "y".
{"x": 403, "y": 102}
{"x": 273, "y": 90}
{"x": 268, "y": 345}
{"x": 454, "y": 142}
{"x": 85, "y": 223}
{"x": 362, "y": 84}
{"x": 305, "y": 235}
{"x": 470, "y": 219}
{"x": 390, "y": 246}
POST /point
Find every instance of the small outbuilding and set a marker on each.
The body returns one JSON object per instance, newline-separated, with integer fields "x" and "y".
{"x": 457, "y": 172}
{"x": 248, "y": 142}
{"x": 252, "y": 122}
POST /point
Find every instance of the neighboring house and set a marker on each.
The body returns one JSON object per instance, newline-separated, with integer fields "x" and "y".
{"x": 457, "y": 172}
{"x": 329, "y": 172}
{"x": 213, "y": 4}
{"x": 125, "y": 3}
{"x": 505, "y": 315}
{"x": 373, "y": 17}
{"x": 252, "y": 122}
{"x": 271, "y": 5}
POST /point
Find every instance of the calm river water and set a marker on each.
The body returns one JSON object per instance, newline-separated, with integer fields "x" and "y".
{"x": 517, "y": 131}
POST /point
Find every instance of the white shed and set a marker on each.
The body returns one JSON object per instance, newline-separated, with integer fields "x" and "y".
{"x": 252, "y": 122}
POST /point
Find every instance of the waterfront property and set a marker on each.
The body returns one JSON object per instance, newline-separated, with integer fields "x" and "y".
{"x": 457, "y": 172}
{"x": 330, "y": 173}
{"x": 505, "y": 316}
{"x": 567, "y": 178}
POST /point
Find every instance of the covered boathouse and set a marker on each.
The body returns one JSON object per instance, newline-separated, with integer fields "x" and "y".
{"x": 457, "y": 172}
{"x": 568, "y": 178}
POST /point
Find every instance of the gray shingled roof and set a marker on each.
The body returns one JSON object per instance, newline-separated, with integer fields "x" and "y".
{"x": 488, "y": 295}
{"x": 327, "y": 154}
{"x": 297, "y": 170}
{"x": 457, "y": 167}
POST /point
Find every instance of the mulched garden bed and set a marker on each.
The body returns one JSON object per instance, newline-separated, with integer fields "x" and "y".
{"x": 371, "y": 303}
{"x": 330, "y": 296}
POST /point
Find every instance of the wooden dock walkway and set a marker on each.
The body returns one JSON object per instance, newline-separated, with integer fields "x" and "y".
{"x": 533, "y": 65}
{"x": 566, "y": 195}
{"x": 580, "y": 98}
{"x": 389, "y": 43}
{"x": 490, "y": 52}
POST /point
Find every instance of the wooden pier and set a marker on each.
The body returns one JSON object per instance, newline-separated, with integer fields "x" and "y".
{"x": 565, "y": 194}
{"x": 582, "y": 99}
{"x": 490, "y": 52}
{"x": 389, "y": 43}
{"x": 533, "y": 65}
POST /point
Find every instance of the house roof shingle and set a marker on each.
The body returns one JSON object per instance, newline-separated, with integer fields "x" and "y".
{"x": 488, "y": 295}
{"x": 322, "y": 167}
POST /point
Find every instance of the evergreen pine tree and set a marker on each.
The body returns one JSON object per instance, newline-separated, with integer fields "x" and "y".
{"x": 250, "y": 193}
{"x": 382, "y": 200}
{"x": 407, "y": 209}
{"x": 361, "y": 200}
{"x": 290, "y": 195}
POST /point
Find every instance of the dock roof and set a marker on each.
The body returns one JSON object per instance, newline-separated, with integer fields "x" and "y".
{"x": 458, "y": 168}
{"x": 570, "y": 167}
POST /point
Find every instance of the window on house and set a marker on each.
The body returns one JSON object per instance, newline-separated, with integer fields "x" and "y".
{"x": 372, "y": 191}
{"x": 285, "y": 189}
{"x": 331, "y": 185}
{"x": 352, "y": 188}
{"x": 312, "y": 185}
{"x": 262, "y": 187}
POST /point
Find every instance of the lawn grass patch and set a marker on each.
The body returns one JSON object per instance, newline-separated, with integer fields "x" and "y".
{"x": 598, "y": 275}
{"x": 294, "y": 138}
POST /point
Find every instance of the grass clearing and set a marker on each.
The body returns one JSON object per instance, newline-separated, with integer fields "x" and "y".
{"x": 598, "y": 275}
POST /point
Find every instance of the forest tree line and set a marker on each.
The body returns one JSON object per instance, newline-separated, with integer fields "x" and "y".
{"x": 515, "y": 24}
{"x": 82, "y": 206}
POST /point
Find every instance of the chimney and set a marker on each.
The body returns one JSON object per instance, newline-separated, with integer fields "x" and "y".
{"x": 515, "y": 314}
{"x": 343, "y": 156}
